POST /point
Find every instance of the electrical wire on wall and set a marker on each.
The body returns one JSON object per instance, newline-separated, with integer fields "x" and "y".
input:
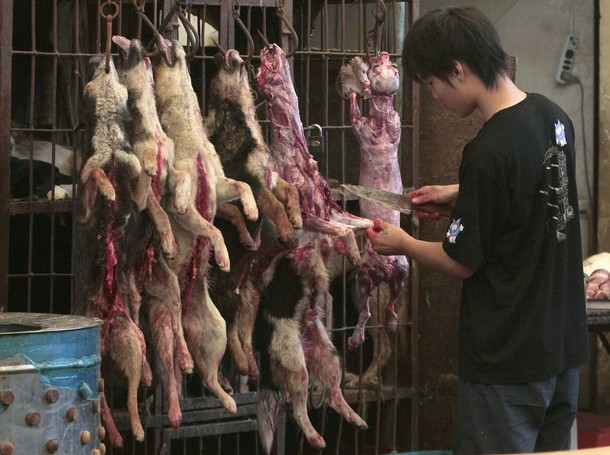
{"x": 569, "y": 77}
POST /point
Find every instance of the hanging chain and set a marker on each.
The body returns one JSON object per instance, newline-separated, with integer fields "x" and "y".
{"x": 374, "y": 41}
{"x": 109, "y": 14}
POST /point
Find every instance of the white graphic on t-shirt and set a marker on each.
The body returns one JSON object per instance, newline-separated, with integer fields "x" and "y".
{"x": 560, "y": 210}
{"x": 560, "y": 134}
{"x": 454, "y": 230}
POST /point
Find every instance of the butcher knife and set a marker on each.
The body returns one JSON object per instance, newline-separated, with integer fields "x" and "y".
{"x": 395, "y": 201}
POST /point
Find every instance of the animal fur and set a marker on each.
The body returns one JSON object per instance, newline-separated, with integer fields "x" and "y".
{"x": 180, "y": 116}
{"x": 106, "y": 229}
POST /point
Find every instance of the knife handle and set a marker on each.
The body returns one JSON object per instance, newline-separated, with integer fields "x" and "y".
{"x": 433, "y": 207}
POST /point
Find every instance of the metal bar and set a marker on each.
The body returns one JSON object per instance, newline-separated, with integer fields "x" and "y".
{"x": 6, "y": 30}
{"x": 414, "y": 8}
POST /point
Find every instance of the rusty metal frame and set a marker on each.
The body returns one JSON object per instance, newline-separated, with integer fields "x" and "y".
{"x": 202, "y": 415}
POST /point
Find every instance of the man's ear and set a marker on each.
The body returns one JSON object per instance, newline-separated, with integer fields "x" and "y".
{"x": 459, "y": 70}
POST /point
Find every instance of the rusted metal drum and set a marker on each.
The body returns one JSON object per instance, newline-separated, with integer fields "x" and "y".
{"x": 49, "y": 384}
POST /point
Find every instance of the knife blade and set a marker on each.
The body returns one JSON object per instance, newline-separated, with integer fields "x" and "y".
{"x": 395, "y": 201}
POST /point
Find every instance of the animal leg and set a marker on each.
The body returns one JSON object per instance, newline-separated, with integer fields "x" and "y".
{"x": 129, "y": 161}
{"x": 163, "y": 286}
{"x": 250, "y": 300}
{"x": 209, "y": 344}
{"x": 361, "y": 289}
{"x": 231, "y": 213}
{"x": 149, "y": 162}
{"x": 270, "y": 206}
{"x": 289, "y": 374}
{"x": 130, "y": 294}
{"x": 162, "y": 224}
{"x": 160, "y": 321}
{"x": 141, "y": 191}
{"x": 323, "y": 364}
{"x": 179, "y": 184}
{"x": 229, "y": 189}
{"x": 398, "y": 277}
{"x": 235, "y": 348}
{"x": 97, "y": 182}
{"x": 382, "y": 349}
{"x": 123, "y": 345}
{"x": 198, "y": 225}
{"x": 288, "y": 195}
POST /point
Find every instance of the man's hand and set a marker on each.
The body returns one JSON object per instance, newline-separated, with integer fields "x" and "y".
{"x": 442, "y": 196}
{"x": 386, "y": 238}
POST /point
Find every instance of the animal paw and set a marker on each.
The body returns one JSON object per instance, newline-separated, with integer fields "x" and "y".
{"x": 353, "y": 381}
{"x": 391, "y": 322}
{"x": 350, "y": 247}
{"x": 115, "y": 439}
{"x": 229, "y": 404}
{"x": 185, "y": 362}
{"x": 252, "y": 366}
{"x": 316, "y": 441}
{"x": 222, "y": 256}
{"x": 174, "y": 415}
{"x": 250, "y": 209}
{"x": 169, "y": 245}
{"x": 137, "y": 430}
{"x": 356, "y": 339}
{"x": 182, "y": 192}
{"x": 149, "y": 162}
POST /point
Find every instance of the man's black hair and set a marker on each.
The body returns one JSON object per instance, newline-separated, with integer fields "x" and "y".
{"x": 439, "y": 38}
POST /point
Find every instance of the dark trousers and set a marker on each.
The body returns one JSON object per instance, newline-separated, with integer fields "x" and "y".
{"x": 517, "y": 418}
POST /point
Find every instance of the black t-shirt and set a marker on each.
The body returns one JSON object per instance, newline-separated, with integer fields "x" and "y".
{"x": 516, "y": 223}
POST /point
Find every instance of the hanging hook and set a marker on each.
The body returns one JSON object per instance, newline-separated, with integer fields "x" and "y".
{"x": 139, "y": 6}
{"x": 246, "y": 32}
{"x": 264, "y": 40}
{"x": 191, "y": 33}
{"x": 109, "y": 16}
{"x": 294, "y": 38}
{"x": 375, "y": 35}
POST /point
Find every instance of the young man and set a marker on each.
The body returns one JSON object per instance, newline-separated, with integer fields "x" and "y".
{"x": 514, "y": 237}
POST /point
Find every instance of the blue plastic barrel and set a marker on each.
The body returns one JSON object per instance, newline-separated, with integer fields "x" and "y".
{"x": 49, "y": 384}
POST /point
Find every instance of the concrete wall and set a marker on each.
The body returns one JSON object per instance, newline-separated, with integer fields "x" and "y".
{"x": 603, "y": 183}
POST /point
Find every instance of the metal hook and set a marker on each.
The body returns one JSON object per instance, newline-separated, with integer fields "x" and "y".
{"x": 265, "y": 42}
{"x": 220, "y": 48}
{"x": 246, "y": 32}
{"x": 191, "y": 33}
{"x": 109, "y": 18}
{"x": 375, "y": 35}
{"x": 139, "y": 6}
{"x": 293, "y": 34}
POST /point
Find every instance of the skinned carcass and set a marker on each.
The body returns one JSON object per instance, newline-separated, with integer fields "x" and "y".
{"x": 107, "y": 228}
{"x": 180, "y": 117}
{"x": 235, "y": 132}
{"x": 378, "y": 136}
{"x": 158, "y": 282}
{"x": 309, "y": 359}
{"x": 598, "y": 285}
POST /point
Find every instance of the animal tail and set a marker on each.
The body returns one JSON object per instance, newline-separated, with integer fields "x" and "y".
{"x": 268, "y": 414}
